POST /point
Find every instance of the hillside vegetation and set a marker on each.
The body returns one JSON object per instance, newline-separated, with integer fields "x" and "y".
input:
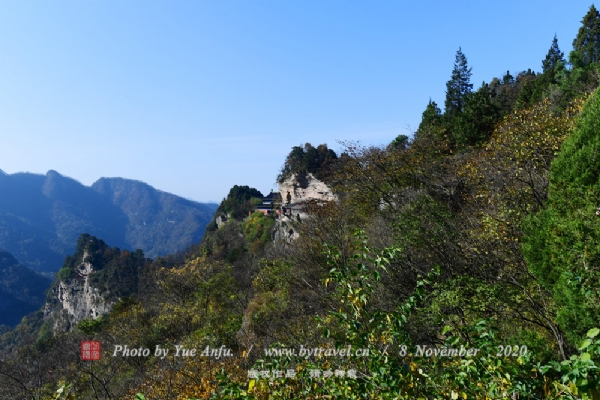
{"x": 461, "y": 263}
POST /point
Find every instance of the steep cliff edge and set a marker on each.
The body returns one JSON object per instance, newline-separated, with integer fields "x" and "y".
{"x": 298, "y": 192}
{"x": 304, "y": 187}
{"x": 90, "y": 282}
{"x": 77, "y": 300}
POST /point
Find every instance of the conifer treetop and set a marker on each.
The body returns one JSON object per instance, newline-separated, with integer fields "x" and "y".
{"x": 459, "y": 85}
{"x": 586, "y": 46}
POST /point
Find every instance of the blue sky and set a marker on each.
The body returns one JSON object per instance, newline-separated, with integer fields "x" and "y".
{"x": 194, "y": 97}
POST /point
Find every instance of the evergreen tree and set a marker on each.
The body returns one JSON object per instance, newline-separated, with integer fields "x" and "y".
{"x": 309, "y": 159}
{"x": 431, "y": 116}
{"x": 508, "y": 79}
{"x": 552, "y": 67}
{"x": 561, "y": 245}
{"x": 239, "y": 201}
{"x": 431, "y": 122}
{"x": 401, "y": 142}
{"x": 505, "y": 92}
{"x": 586, "y": 46}
{"x": 554, "y": 58}
{"x": 476, "y": 122}
{"x": 458, "y": 87}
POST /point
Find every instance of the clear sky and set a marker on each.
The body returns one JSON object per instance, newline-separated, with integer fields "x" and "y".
{"x": 194, "y": 97}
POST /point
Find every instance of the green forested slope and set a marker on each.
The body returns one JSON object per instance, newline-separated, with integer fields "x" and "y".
{"x": 476, "y": 239}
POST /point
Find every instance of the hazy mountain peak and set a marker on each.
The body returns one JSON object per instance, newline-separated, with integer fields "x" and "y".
{"x": 41, "y": 217}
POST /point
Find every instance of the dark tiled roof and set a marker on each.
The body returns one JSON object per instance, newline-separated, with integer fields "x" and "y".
{"x": 272, "y": 195}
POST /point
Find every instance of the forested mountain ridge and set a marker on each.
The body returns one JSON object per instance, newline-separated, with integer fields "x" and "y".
{"x": 461, "y": 263}
{"x": 41, "y": 217}
{"x": 21, "y": 290}
{"x": 160, "y": 223}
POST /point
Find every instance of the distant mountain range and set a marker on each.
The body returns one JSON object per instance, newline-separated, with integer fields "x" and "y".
{"x": 21, "y": 290}
{"x": 41, "y": 217}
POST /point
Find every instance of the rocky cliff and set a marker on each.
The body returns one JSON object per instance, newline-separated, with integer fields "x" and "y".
{"x": 296, "y": 192}
{"x": 77, "y": 299}
{"x": 299, "y": 188}
{"x": 91, "y": 282}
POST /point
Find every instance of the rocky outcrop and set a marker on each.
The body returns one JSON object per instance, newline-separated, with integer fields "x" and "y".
{"x": 285, "y": 231}
{"x": 79, "y": 299}
{"x": 302, "y": 187}
{"x": 74, "y": 300}
{"x": 297, "y": 192}
{"x": 221, "y": 219}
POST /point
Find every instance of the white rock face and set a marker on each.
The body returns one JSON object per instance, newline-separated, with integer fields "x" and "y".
{"x": 221, "y": 219}
{"x": 78, "y": 299}
{"x": 302, "y": 188}
{"x": 295, "y": 192}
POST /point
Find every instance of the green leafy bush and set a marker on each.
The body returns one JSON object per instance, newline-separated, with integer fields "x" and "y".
{"x": 65, "y": 273}
{"x": 258, "y": 230}
{"x": 562, "y": 242}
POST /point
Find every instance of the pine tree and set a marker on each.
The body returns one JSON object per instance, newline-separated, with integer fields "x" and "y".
{"x": 431, "y": 116}
{"x": 401, "y": 142}
{"x": 554, "y": 58}
{"x": 553, "y": 65}
{"x": 504, "y": 92}
{"x": 431, "y": 121}
{"x": 458, "y": 87}
{"x": 586, "y": 46}
{"x": 508, "y": 79}
{"x": 476, "y": 121}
